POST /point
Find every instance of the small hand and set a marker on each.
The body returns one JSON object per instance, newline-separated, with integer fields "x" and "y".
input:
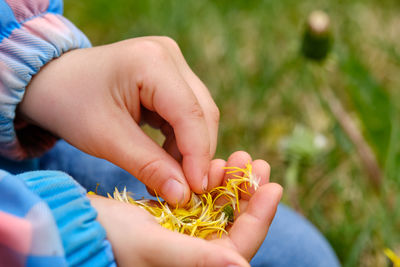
{"x": 96, "y": 98}
{"x": 137, "y": 239}
{"x": 256, "y": 211}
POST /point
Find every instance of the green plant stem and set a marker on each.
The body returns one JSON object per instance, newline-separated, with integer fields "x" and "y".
{"x": 291, "y": 177}
{"x": 364, "y": 151}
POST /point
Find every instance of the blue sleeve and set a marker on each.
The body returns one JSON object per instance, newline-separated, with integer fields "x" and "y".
{"x": 45, "y": 217}
{"x": 32, "y": 33}
{"x": 46, "y": 220}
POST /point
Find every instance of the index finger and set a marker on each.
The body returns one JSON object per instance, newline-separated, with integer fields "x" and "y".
{"x": 166, "y": 92}
{"x": 199, "y": 90}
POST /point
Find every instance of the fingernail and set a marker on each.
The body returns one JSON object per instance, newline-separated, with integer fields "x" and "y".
{"x": 173, "y": 190}
{"x": 205, "y": 183}
{"x": 233, "y": 266}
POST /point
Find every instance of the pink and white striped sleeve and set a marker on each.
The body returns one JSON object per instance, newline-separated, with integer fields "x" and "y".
{"x": 32, "y": 33}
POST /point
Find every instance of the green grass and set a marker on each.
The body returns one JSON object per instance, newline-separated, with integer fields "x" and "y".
{"x": 247, "y": 53}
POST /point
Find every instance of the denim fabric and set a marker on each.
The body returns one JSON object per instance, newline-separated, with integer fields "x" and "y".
{"x": 291, "y": 241}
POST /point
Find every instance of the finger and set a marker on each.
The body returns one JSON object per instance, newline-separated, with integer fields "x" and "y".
{"x": 260, "y": 172}
{"x": 251, "y": 226}
{"x": 216, "y": 173}
{"x": 135, "y": 152}
{"x": 237, "y": 159}
{"x": 179, "y": 250}
{"x": 211, "y": 112}
{"x": 168, "y": 94}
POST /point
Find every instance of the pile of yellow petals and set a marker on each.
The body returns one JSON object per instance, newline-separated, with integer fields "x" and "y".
{"x": 206, "y": 214}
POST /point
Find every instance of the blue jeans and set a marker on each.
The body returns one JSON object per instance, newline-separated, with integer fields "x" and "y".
{"x": 291, "y": 240}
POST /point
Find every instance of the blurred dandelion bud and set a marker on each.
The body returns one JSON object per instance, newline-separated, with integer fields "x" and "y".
{"x": 320, "y": 141}
{"x": 317, "y": 37}
{"x": 303, "y": 145}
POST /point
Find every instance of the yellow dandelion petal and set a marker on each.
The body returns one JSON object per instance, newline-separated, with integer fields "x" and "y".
{"x": 201, "y": 217}
{"x": 393, "y": 257}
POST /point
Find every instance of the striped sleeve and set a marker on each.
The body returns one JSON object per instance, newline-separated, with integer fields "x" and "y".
{"x": 46, "y": 220}
{"x": 25, "y": 220}
{"x": 32, "y": 33}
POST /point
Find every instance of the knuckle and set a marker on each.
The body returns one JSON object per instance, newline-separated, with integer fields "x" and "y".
{"x": 196, "y": 111}
{"x": 147, "y": 172}
{"x": 153, "y": 49}
{"x": 168, "y": 41}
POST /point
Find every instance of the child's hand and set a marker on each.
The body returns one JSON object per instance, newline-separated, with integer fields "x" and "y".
{"x": 257, "y": 211}
{"x": 95, "y": 98}
{"x": 138, "y": 240}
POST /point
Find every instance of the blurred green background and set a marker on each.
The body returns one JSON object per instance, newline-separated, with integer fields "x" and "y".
{"x": 272, "y": 103}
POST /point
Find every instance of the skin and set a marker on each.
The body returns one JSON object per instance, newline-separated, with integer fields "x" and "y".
{"x": 97, "y": 98}
{"x": 155, "y": 246}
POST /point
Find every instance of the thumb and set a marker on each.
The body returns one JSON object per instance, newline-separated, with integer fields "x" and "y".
{"x": 251, "y": 226}
{"x": 126, "y": 145}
